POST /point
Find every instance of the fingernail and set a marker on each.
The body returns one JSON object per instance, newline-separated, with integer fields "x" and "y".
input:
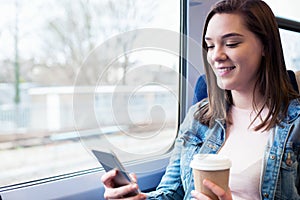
{"x": 134, "y": 186}
{"x": 193, "y": 193}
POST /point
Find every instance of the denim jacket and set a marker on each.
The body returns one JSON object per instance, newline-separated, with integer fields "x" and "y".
{"x": 280, "y": 171}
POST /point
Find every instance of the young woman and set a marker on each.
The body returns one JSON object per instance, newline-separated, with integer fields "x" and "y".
{"x": 251, "y": 115}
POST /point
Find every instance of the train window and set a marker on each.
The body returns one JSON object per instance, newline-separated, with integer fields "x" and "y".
{"x": 290, "y": 38}
{"x": 291, "y": 49}
{"x": 287, "y": 10}
{"x": 83, "y": 74}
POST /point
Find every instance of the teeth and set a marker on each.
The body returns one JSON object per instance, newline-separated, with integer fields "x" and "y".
{"x": 226, "y": 69}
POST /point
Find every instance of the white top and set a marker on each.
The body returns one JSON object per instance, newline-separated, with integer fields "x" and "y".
{"x": 245, "y": 148}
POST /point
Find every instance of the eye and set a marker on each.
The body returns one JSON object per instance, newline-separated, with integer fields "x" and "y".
{"x": 232, "y": 45}
{"x": 210, "y": 46}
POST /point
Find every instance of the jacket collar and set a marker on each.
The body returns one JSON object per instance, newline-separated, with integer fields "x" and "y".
{"x": 293, "y": 111}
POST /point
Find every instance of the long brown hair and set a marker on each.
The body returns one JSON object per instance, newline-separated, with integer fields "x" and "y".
{"x": 272, "y": 78}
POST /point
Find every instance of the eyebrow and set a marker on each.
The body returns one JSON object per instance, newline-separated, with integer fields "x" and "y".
{"x": 226, "y": 36}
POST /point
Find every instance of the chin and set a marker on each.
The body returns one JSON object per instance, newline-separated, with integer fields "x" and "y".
{"x": 223, "y": 85}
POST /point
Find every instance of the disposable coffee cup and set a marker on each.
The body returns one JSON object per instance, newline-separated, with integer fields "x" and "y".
{"x": 213, "y": 167}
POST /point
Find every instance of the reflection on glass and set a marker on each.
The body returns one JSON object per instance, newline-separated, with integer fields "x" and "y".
{"x": 44, "y": 45}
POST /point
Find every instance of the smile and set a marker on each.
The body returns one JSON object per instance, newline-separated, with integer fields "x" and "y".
{"x": 222, "y": 71}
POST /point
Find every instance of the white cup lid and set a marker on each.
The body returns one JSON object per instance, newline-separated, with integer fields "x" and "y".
{"x": 210, "y": 162}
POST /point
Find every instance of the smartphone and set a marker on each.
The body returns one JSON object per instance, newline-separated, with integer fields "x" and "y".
{"x": 110, "y": 161}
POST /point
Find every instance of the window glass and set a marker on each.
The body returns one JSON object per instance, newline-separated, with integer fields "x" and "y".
{"x": 290, "y": 39}
{"x": 287, "y": 9}
{"x": 83, "y": 74}
{"x": 291, "y": 49}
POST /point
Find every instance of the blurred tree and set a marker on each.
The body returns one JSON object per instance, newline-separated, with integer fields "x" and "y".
{"x": 82, "y": 25}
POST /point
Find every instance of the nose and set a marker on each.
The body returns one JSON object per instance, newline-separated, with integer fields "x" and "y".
{"x": 218, "y": 54}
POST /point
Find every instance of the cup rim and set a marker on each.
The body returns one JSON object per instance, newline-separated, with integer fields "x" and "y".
{"x": 210, "y": 162}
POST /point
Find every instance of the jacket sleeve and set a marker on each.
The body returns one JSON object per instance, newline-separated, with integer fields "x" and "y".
{"x": 171, "y": 186}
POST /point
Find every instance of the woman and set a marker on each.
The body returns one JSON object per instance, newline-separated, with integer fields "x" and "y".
{"x": 252, "y": 113}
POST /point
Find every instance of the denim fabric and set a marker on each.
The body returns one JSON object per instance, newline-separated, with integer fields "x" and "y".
{"x": 280, "y": 172}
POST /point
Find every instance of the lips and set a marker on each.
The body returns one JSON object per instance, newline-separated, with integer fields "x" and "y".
{"x": 225, "y": 70}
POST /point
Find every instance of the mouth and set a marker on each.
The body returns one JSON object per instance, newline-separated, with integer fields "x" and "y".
{"x": 225, "y": 70}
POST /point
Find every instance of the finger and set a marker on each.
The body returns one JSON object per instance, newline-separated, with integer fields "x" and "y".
{"x": 119, "y": 192}
{"x": 220, "y": 192}
{"x": 137, "y": 197}
{"x": 133, "y": 177}
{"x": 198, "y": 195}
{"x": 107, "y": 178}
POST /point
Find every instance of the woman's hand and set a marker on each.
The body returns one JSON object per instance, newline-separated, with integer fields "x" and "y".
{"x": 111, "y": 192}
{"x": 218, "y": 191}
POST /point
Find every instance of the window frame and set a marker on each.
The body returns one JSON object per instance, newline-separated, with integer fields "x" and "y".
{"x": 86, "y": 184}
{"x": 288, "y": 24}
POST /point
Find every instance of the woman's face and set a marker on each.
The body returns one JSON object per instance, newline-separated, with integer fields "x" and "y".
{"x": 234, "y": 52}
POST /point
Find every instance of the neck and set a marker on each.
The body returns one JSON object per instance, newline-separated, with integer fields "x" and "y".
{"x": 245, "y": 100}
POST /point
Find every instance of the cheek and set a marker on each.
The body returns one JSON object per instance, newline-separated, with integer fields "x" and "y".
{"x": 209, "y": 60}
{"x": 251, "y": 65}
{"x": 208, "y": 56}
{"x": 211, "y": 63}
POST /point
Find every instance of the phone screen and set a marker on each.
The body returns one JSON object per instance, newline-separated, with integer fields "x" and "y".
{"x": 110, "y": 161}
